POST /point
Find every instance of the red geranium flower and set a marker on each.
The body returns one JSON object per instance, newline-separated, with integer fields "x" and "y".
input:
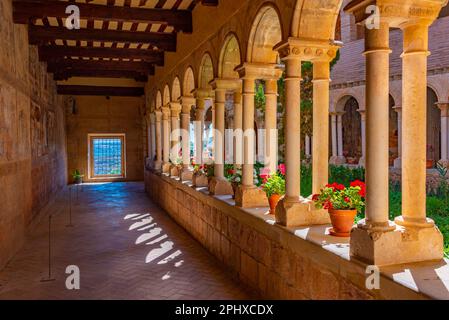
{"x": 361, "y": 185}
{"x": 281, "y": 169}
{"x": 315, "y": 197}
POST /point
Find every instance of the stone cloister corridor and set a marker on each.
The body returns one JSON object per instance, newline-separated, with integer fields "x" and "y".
{"x": 225, "y": 149}
{"x": 116, "y": 234}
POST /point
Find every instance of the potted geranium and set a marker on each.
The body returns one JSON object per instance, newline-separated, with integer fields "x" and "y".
{"x": 274, "y": 187}
{"x": 235, "y": 178}
{"x": 430, "y": 155}
{"x": 343, "y": 204}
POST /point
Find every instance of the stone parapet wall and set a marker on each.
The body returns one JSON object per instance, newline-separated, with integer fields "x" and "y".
{"x": 269, "y": 258}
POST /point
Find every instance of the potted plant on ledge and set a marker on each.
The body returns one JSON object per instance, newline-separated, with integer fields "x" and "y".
{"x": 77, "y": 177}
{"x": 343, "y": 204}
{"x": 274, "y": 187}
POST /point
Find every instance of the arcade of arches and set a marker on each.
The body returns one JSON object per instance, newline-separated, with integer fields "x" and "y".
{"x": 365, "y": 112}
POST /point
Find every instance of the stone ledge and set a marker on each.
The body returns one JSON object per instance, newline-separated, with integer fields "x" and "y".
{"x": 290, "y": 263}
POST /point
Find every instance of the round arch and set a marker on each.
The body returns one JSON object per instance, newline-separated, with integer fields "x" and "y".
{"x": 266, "y": 32}
{"x": 176, "y": 89}
{"x": 166, "y": 97}
{"x": 315, "y": 19}
{"x": 188, "y": 84}
{"x": 206, "y": 72}
{"x": 230, "y": 58}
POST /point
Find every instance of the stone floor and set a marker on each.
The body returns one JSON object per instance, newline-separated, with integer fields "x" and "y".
{"x": 125, "y": 248}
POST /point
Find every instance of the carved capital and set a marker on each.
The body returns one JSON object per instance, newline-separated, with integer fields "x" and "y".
{"x": 308, "y": 50}
{"x": 262, "y": 71}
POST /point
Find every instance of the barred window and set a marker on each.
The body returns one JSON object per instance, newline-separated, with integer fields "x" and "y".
{"x": 107, "y": 156}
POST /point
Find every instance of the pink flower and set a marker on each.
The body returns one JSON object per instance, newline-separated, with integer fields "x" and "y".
{"x": 281, "y": 168}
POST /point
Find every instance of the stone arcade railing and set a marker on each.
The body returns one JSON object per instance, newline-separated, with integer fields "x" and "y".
{"x": 287, "y": 263}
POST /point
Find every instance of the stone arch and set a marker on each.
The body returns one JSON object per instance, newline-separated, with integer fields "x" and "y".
{"x": 343, "y": 100}
{"x": 206, "y": 71}
{"x": 158, "y": 99}
{"x": 315, "y": 19}
{"x": 230, "y": 57}
{"x": 433, "y": 127}
{"x": 176, "y": 89}
{"x": 166, "y": 96}
{"x": 188, "y": 83}
{"x": 266, "y": 32}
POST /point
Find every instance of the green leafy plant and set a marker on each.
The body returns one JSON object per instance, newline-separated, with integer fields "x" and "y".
{"x": 77, "y": 175}
{"x": 338, "y": 197}
{"x": 274, "y": 184}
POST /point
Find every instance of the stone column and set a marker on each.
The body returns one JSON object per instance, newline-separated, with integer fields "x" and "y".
{"x": 340, "y": 137}
{"x": 187, "y": 103}
{"x": 248, "y": 195}
{"x": 199, "y": 129}
{"x": 444, "y": 107}
{"x": 363, "y": 129}
{"x": 175, "y": 138}
{"x": 153, "y": 136}
{"x": 158, "y": 163}
{"x": 334, "y": 137}
{"x": 398, "y": 160}
{"x": 166, "y": 142}
{"x": 320, "y": 146}
{"x": 219, "y": 185}
{"x": 271, "y": 148}
{"x": 238, "y": 129}
{"x": 414, "y": 95}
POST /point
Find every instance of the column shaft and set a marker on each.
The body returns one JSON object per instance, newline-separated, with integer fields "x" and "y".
{"x": 199, "y": 130}
{"x": 377, "y": 130}
{"x": 414, "y": 115}
{"x": 334, "y": 135}
{"x": 248, "y": 133}
{"x": 270, "y": 158}
{"x": 238, "y": 127}
{"x": 292, "y": 129}
{"x": 166, "y": 136}
{"x": 320, "y": 146}
{"x": 185, "y": 132}
{"x": 220, "y": 99}
{"x": 158, "y": 139}
{"x": 340, "y": 134}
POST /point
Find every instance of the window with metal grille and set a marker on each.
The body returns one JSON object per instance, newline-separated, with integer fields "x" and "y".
{"x": 107, "y": 156}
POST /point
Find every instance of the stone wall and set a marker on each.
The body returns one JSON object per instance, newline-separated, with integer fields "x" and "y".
{"x": 32, "y": 135}
{"x": 111, "y": 115}
{"x": 271, "y": 259}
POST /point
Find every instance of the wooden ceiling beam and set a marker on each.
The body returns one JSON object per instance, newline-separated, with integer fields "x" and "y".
{"x": 141, "y": 67}
{"x": 41, "y": 35}
{"x": 65, "y": 74}
{"x": 100, "y": 91}
{"x": 25, "y": 11}
{"x": 52, "y": 52}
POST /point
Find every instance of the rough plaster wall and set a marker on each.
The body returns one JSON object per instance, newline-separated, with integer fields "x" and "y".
{"x": 100, "y": 115}
{"x": 32, "y": 135}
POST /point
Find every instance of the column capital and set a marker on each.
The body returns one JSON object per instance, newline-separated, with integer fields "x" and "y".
{"x": 175, "y": 108}
{"x": 308, "y": 50}
{"x": 397, "y": 14}
{"x": 158, "y": 115}
{"x": 221, "y": 84}
{"x": 362, "y": 112}
{"x": 262, "y": 71}
{"x": 165, "y": 112}
{"x": 187, "y": 103}
{"x": 444, "y": 107}
{"x": 398, "y": 109}
{"x": 204, "y": 94}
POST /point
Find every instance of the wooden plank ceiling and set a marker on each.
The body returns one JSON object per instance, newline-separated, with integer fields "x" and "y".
{"x": 116, "y": 39}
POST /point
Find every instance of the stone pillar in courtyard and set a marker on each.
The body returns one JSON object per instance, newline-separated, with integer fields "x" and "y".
{"x": 248, "y": 195}
{"x": 376, "y": 240}
{"x": 238, "y": 129}
{"x": 218, "y": 184}
{"x": 175, "y": 134}
{"x": 398, "y": 161}
{"x": 271, "y": 134}
{"x": 363, "y": 132}
{"x": 158, "y": 163}
{"x": 187, "y": 103}
{"x": 152, "y": 150}
{"x": 444, "y": 107}
{"x": 294, "y": 210}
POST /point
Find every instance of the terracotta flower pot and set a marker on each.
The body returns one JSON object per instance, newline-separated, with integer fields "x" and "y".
{"x": 342, "y": 222}
{"x": 429, "y": 164}
{"x": 235, "y": 186}
{"x": 273, "y": 201}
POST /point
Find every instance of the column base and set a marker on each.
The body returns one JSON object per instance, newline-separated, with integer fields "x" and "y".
{"x": 362, "y": 162}
{"x": 158, "y": 165}
{"x": 250, "y": 197}
{"x": 199, "y": 180}
{"x": 300, "y": 212}
{"x": 166, "y": 167}
{"x": 397, "y": 163}
{"x": 395, "y": 244}
{"x": 174, "y": 171}
{"x": 220, "y": 186}
{"x": 186, "y": 174}
{"x": 337, "y": 160}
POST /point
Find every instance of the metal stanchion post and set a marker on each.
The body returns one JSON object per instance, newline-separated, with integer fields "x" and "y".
{"x": 49, "y": 278}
